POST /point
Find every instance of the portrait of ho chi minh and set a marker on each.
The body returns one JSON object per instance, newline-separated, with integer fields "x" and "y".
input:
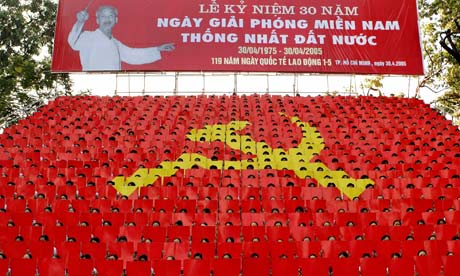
{"x": 101, "y": 51}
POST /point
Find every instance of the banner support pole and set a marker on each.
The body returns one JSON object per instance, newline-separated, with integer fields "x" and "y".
{"x": 351, "y": 84}
{"x": 204, "y": 82}
{"x": 176, "y": 82}
{"x": 116, "y": 84}
{"x": 235, "y": 83}
{"x": 268, "y": 83}
{"x": 129, "y": 84}
{"x": 408, "y": 86}
{"x": 295, "y": 84}
{"x": 143, "y": 88}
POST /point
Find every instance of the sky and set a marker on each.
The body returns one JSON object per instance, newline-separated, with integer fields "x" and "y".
{"x": 161, "y": 83}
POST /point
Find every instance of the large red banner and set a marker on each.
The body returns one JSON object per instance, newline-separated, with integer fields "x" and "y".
{"x": 325, "y": 36}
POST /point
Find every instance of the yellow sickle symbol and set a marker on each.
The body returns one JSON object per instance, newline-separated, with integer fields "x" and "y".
{"x": 296, "y": 159}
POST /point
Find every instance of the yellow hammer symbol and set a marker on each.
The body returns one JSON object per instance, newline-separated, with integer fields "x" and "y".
{"x": 296, "y": 159}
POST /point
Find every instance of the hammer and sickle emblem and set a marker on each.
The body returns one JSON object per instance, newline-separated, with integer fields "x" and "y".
{"x": 296, "y": 159}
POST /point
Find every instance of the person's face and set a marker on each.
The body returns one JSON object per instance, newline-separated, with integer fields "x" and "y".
{"x": 106, "y": 19}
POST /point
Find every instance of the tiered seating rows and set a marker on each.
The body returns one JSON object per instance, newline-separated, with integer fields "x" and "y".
{"x": 57, "y": 167}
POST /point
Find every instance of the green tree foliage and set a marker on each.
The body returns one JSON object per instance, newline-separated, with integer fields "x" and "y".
{"x": 443, "y": 71}
{"x": 373, "y": 84}
{"x": 26, "y": 41}
{"x": 450, "y": 103}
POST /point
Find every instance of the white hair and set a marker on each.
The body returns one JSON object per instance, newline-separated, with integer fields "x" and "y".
{"x": 107, "y": 7}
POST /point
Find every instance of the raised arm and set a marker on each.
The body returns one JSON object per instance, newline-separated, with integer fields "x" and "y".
{"x": 77, "y": 29}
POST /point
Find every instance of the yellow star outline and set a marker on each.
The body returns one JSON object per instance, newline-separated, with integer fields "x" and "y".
{"x": 296, "y": 159}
